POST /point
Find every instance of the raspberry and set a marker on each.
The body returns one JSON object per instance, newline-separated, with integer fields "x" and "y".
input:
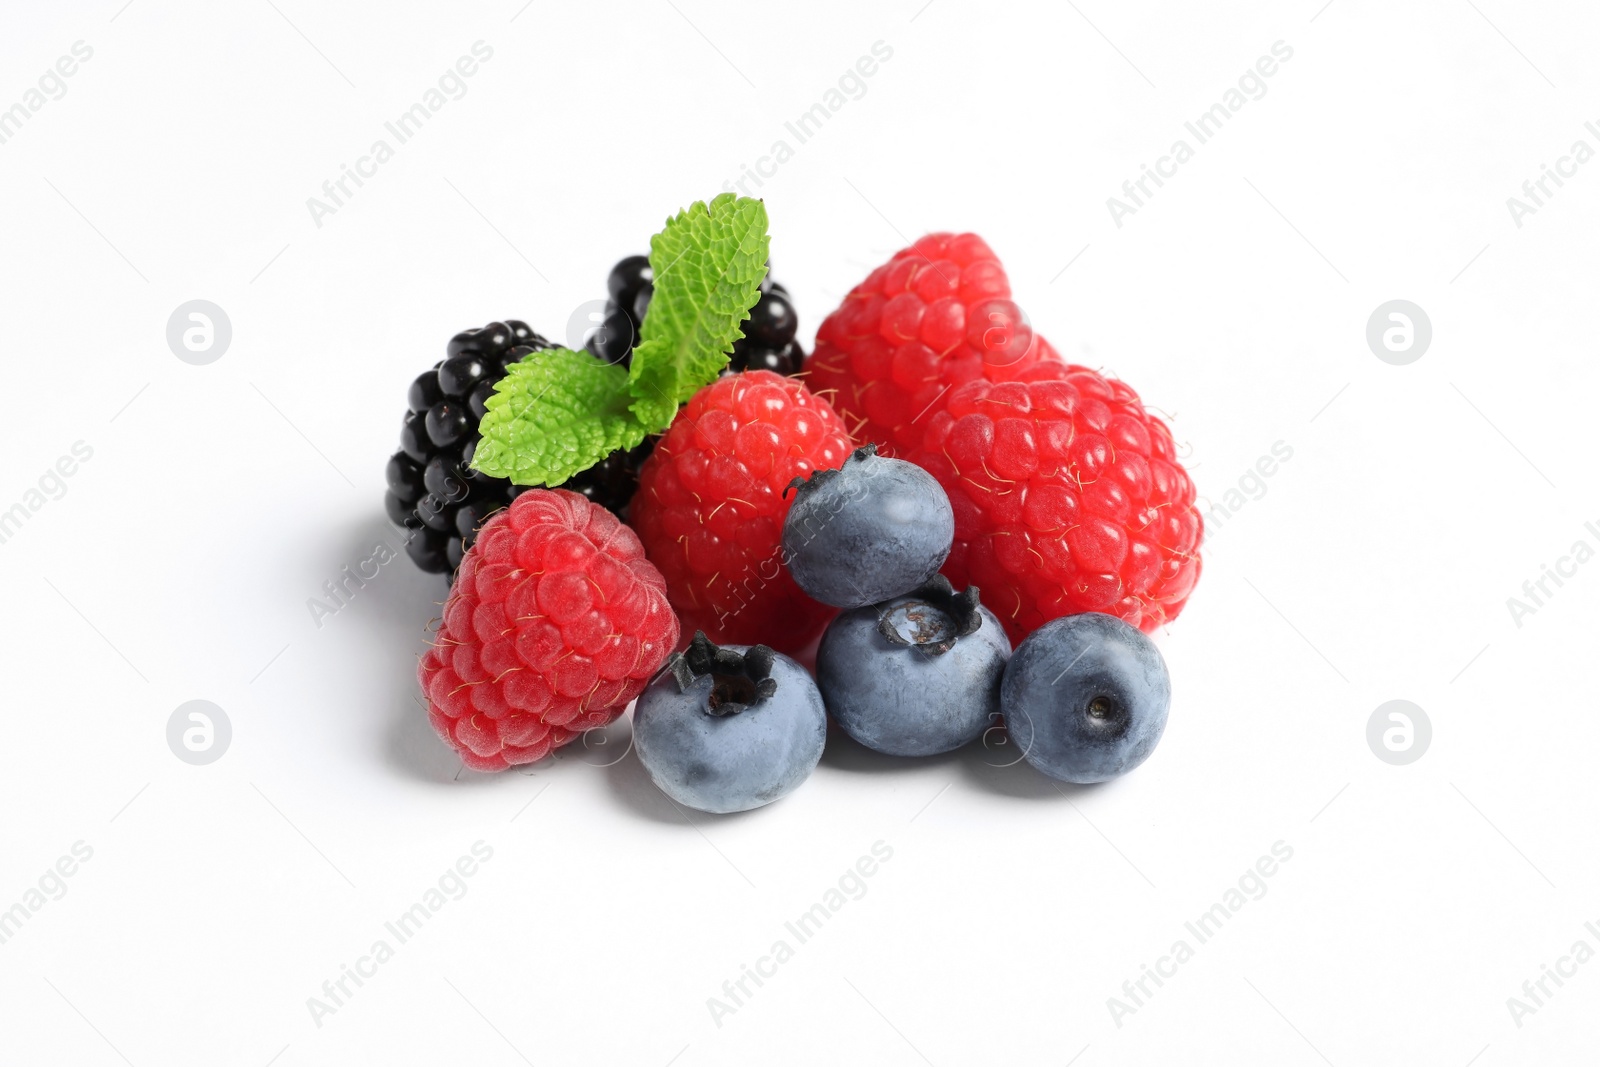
{"x": 711, "y": 505}
{"x": 936, "y": 316}
{"x": 555, "y": 622}
{"x": 1068, "y": 498}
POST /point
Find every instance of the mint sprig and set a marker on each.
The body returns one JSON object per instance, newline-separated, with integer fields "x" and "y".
{"x": 559, "y": 412}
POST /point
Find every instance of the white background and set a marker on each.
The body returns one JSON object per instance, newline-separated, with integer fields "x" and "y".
{"x": 1375, "y": 566}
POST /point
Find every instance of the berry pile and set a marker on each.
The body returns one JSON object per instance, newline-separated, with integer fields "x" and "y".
{"x": 989, "y": 547}
{"x": 769, "y": 333}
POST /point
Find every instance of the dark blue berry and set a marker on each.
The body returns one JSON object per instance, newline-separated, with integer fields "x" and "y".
{"x": 916, "y": 675}
{"x": 1085, "y": 698}
{"x": 873, "y": 529}
{"x": 729, "y": 729}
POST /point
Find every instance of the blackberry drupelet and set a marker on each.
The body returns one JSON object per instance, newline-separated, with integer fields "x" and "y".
{"x": 433, "y": 491}
{"x": 769, "y": 333}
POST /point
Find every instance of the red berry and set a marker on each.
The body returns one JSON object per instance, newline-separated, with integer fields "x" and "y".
{"x": 937, "y": 315}
{"x": 556, "y": 621}
{"x": 711, "y": 505}
{"x": 1068, "y": 498}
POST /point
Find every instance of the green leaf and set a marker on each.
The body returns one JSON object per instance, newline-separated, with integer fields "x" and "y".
{"x": 555, "y": 413}
{"x": 708, "y": 265}
{"x": 559, "y": 412}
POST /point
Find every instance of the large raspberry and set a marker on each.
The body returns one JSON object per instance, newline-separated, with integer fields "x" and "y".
{"x": 937, "y": 315}
{"x": 711, "y": 505}
{"x": 1068, "y": 498}
{"x": 555, "y": 622}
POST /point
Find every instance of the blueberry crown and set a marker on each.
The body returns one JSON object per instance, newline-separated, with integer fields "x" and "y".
{"x": 934, "y": 639}
{"x": 739, "y": 679}
{"x": 827, "y": 474}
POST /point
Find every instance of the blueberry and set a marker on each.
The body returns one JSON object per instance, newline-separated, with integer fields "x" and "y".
{"x": 1085, "y": 698}
{"x": 729, "y": 729}
{"x": 875, "y": 528}
{"x": 916, "y": 675}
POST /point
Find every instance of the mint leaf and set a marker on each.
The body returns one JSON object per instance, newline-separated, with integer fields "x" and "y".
{"x": 708, "y": 264}
{"x": 555, "y": 413}
{"x": 559, "y": 412}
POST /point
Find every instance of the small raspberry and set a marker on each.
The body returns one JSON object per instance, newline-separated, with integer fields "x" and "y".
{"x": 1068, "y": 498}
{"x": 555, "y": 622}
{"x": 711, "y": 505}
{"x": 937, "y": 315}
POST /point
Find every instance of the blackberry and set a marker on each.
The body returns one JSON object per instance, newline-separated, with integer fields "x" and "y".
{"x": 769, "y": 333}
{"x": 433, "y": 491}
